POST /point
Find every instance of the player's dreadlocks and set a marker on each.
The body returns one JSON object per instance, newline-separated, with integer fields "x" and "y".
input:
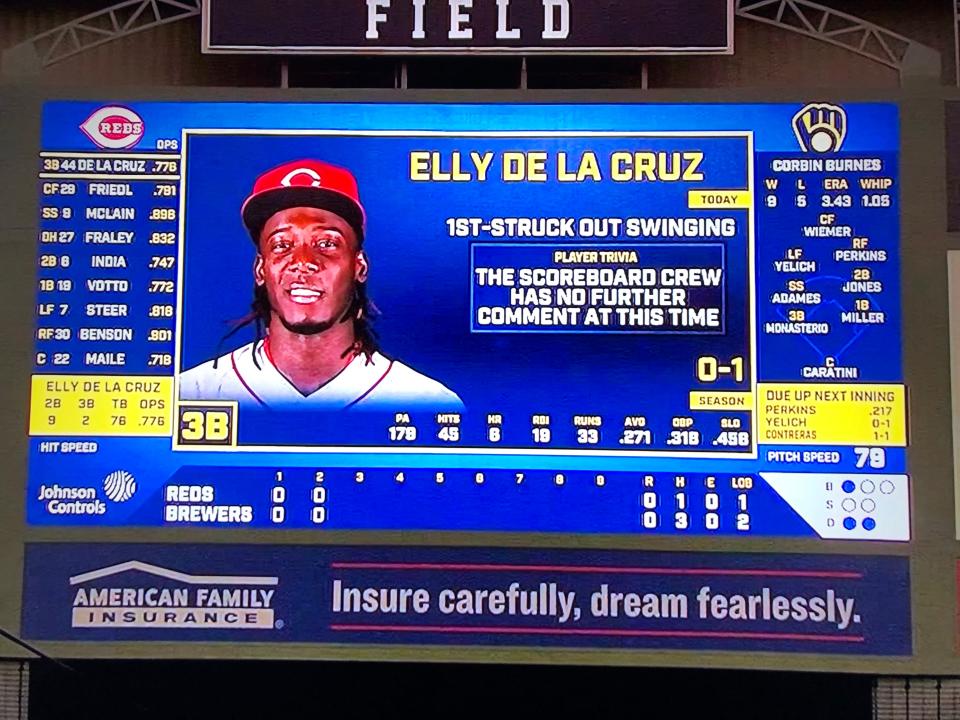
{"x": 362, "y": 310}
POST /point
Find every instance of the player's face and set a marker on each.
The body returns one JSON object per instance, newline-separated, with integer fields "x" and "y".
{"x": 309, "y": 263}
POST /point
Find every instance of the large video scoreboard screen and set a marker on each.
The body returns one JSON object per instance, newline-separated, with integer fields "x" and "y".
{"x": 624, "y": 376}
{"x": 669, "y": 319}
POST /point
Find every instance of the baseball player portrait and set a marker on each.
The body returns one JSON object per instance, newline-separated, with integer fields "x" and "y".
{"x": 315, "y": 345}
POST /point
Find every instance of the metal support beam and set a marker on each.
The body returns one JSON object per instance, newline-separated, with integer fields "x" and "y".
{"x": 401, "y": 75}
{"x": 956, "y": 41}
{"x": 90, "y": 31}
{"x": 846, "y": 31}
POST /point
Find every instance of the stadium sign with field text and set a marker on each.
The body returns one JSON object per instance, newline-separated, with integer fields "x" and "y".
{"x": 453, "y": 27}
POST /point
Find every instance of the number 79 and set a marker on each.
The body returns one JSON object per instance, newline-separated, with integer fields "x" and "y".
{"x": 874, "y": 457}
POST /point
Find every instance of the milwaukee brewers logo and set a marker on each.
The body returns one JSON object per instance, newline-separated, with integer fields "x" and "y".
{"x": 820, "y": 127}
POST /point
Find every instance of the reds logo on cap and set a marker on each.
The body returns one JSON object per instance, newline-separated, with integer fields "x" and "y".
{"x": 315, "y": 180}
{"x": 304, "y": 183}
{"x": 114, "y": 127}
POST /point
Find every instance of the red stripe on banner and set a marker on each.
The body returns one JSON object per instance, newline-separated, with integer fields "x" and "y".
{"x": 717, "y": 634}
{"x": 834, "y": 575}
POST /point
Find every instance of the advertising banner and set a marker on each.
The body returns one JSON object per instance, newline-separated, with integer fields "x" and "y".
{"x": 477, "y": 596}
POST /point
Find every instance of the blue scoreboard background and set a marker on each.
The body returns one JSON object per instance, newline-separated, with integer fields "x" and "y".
{"x": 645, "y": 319}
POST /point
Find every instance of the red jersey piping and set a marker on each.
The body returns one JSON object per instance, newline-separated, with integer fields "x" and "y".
{"x": 372, "y": 387}
{"x": 243, "y": 382}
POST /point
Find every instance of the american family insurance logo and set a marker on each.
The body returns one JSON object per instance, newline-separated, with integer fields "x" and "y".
{"x": 114, "y": 127}
{"x": 139, "y": 595}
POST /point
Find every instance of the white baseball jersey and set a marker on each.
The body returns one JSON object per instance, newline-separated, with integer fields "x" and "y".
{"x": 378, "y": 383}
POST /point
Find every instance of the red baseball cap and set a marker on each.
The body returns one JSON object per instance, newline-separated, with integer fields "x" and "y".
{"x": 304, "y": 183}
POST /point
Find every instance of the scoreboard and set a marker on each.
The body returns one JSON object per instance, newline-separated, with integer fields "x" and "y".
{"x": 601, "y": 319}
{"x": 354, "y": 377}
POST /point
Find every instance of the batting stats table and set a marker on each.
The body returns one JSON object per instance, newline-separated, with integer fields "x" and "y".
{"x": 649, "y": 319}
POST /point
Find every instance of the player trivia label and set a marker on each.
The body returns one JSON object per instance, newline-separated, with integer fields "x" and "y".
{"x": 667, "y": 319}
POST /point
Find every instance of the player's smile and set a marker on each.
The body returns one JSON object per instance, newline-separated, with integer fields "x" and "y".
{"x": 304, "y": 294}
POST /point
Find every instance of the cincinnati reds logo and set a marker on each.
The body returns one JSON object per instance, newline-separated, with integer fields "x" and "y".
{"x": 114, "y": 127}
{"x": 313, "y": 174}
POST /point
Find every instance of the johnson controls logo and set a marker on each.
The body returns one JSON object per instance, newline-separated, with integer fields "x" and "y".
{"x": 119, "y": 486}
{"x": 135, "y": 594}
{"x": 114, "y": 127}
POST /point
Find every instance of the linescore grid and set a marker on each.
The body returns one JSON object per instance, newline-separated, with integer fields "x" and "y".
{"x": 676, "y": 322}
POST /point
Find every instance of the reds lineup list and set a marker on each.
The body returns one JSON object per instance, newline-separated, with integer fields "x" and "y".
{"x": 682, "y": 329}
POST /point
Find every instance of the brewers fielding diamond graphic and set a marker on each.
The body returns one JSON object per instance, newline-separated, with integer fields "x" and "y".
{"x": 119, "y": 486}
